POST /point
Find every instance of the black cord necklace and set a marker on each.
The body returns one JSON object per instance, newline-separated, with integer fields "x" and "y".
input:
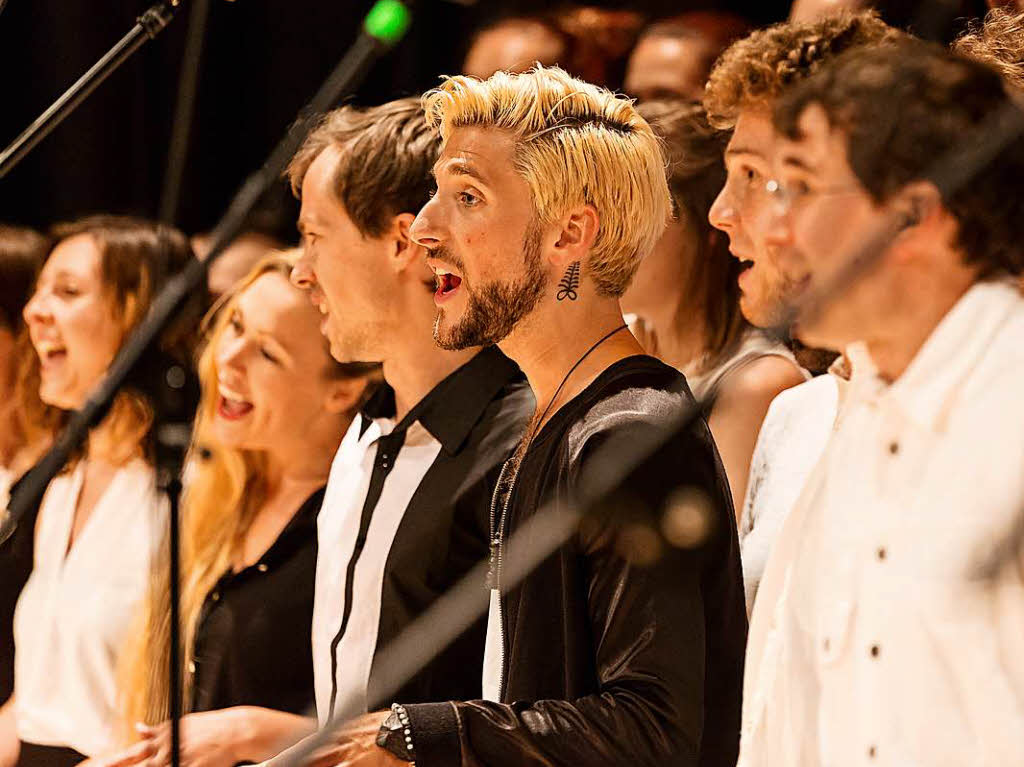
{"x": 565, "y": 380}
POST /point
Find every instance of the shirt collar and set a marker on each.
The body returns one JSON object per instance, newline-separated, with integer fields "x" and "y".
{"x": 928, "y": 387}
{"x": 452, "y": 408}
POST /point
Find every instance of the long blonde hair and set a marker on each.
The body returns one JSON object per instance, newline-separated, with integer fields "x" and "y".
{"x": 225, "y": 489}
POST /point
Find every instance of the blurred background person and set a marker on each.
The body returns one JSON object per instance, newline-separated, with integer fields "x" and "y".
{"x": 673, "y": 57}
{"x": 273, "y": 410}
{"x": 22, "y": 252}
{"x": 269, "y": 229}
{"x": 236, "y": 260}
{"x": 515, "y": 44}
{"x": 686, "y": 296}
{"x": 587, "y": 41}
{"x": 99, "y": 519}
{"x": 21, "y": 255}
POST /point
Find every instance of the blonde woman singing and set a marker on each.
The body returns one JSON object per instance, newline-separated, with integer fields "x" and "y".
{"x": 274, "y": 408}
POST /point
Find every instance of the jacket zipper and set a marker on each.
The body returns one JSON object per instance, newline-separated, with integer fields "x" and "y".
{"x": 497, "y": 551}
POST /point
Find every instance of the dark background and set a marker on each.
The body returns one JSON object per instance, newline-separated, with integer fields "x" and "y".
{"x": 262, "y": 60}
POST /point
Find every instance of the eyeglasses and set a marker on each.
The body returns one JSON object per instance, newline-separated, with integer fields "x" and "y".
{"x": 790, "y": 196}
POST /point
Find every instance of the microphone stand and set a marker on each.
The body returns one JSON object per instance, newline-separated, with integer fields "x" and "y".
{"x": 147, "y": 26}
{"x": 384, "y": 25}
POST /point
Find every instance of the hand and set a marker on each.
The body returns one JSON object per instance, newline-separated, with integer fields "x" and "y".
{"x": 355, "y": 745}
{"x": 208, "y": 739}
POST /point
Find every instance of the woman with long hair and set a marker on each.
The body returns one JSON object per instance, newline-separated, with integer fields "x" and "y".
{"x": 686, "y": 297}
{"x": 274, "y": 406}
{"x": 98, "y": 520}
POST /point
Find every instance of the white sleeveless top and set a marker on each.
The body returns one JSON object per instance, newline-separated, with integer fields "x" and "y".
{"x": 75, "y": 613}
{"x": 753, "y": 345}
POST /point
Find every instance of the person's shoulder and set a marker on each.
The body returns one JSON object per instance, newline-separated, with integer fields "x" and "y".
{"x": 761, "y": 380}
{"x": 807, "y": 395}
{"x": 635, "y": 394}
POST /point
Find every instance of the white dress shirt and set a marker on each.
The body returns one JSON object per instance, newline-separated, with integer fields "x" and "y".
{"x": 345, "y": 668}
{"x": 76, "y": 610}
{"x": 793, "y": 436}
{"x": 889, "y": 625}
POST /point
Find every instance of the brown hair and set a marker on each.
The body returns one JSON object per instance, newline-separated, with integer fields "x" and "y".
{"x": 997, "y": 42}
{"x": 386, "y": 156}
{"x": 22, "y": 252}
{"x": 696, "y": 173}
{"x": 754, "y": 71}
{"x": 136, "y": 258}
{"x": 904, "y": 105}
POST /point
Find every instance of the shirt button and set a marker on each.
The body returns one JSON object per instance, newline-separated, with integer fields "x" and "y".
{"x": 894, "y": 447}
{"x": 192, "y": 667}
{"x": 215, "y": 596}
{"x": 262, "y": 567}
{"x": 881, "y": 553}
{"x": 826, "y": 644}
{"x": 875, "y": 650}
{"x": 872, "y": 751}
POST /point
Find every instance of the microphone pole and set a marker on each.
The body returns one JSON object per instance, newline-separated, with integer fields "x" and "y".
{"x": 147, "y": 27}
{"x": 384, "y": 25}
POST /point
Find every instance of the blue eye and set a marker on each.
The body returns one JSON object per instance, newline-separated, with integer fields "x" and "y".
{"x": 468, "y": 199}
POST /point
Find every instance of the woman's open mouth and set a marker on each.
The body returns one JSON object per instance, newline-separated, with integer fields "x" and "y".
{"x": 50, "y": 355}
{"x": 230, "y": 406}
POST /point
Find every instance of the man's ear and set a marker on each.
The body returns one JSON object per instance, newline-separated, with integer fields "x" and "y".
{"x": 918, "y": 204}
{"x": 403, "y": 249}
{"x": 575, "y": 237}
{"x": 343, "y": 394}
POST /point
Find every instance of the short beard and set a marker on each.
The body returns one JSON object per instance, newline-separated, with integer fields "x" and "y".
{"x": 495, "y": 308}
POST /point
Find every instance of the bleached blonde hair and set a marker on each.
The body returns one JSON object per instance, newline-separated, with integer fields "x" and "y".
{"x": 575, "y": 144}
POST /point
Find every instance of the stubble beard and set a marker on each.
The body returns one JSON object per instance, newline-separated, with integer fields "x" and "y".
{"x": 495, "y": 308}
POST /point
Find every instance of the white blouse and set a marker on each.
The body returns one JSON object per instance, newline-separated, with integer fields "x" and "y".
{"x": 75, "y": 612}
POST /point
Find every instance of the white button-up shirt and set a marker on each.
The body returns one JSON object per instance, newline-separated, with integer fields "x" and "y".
{"x": 342, "y": 661}
{"x": 889, "y": 625}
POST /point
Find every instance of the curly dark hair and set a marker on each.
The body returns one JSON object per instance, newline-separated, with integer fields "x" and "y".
{"x": 997, "y": 42}
{"x": 903, "y": 106}
{"x": 754, "y": 71}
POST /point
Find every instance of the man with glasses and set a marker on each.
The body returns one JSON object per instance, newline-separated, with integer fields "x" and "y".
{"x": 890, "y": 622}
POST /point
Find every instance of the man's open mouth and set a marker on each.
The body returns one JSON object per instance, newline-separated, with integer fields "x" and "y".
{"x": 446, "y": 283}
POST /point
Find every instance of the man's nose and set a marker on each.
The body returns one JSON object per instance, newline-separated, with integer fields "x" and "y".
{"x": 722, "y": 214}
{"x": 425, "y": 230}
{"x": 302, "y": 274}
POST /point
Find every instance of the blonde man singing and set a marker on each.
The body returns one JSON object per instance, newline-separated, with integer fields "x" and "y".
{"x": 549, "y": 192}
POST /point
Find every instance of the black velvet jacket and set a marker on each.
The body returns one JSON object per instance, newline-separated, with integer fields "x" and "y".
{"x": 607, "y": 662}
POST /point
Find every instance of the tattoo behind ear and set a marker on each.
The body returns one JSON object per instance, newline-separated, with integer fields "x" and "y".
{"x": 570, "y": 282}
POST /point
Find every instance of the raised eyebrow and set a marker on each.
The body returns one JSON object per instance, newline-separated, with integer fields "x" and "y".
{"x": 457, "y": 167}
{"x": 742, "y": 150}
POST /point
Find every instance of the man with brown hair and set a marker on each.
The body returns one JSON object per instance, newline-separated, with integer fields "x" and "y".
{"x": 890, "y": 626}
{"x": 745, "y": 84}
{"x": 405, "y": 514}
